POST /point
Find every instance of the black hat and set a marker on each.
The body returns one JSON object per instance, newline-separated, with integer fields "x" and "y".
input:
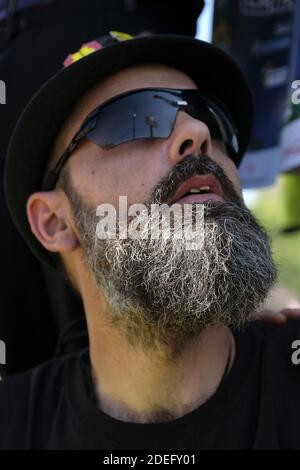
{"x": 40, "y": 122}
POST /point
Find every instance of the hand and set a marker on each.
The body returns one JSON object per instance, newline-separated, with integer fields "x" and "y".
{"x": 277, "y": 317}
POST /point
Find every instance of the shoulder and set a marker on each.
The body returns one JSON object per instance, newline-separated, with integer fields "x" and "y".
{"x": 279, "y": 344}
{"x": 280, "y": 382}
{"x": 27, "y": 394}
{"x": 273, "y": 351}
{"x": 281, "y": 359}
{"x": 283, "y": 339}
{"x": 50, "y": 372}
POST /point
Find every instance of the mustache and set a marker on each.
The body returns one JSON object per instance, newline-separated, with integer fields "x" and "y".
{"x": 192, "y": 165}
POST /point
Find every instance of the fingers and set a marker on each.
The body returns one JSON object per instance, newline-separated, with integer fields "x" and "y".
{"x": 291, "y": 312}
{"x": 277, "y": 317}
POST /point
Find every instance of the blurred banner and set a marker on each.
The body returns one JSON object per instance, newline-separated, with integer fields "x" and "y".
{"x": 290, "y": 138}
{"x": 258, "y": 35}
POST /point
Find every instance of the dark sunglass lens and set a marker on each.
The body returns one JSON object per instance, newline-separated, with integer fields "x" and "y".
{"x": 204, "y": 114}
{"x": 226, "y": 127}
{"x": 139, "y": 115}
{"x": 219, "y": 123}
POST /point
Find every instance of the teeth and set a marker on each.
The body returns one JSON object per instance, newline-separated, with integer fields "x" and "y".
{"x": 194, "y": 190}
{"x": 198, "y": 190}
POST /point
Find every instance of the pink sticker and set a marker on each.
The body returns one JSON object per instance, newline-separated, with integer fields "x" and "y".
{"x": 85, "y": 49}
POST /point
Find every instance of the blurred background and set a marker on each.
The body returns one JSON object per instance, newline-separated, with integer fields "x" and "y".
{"x": 264, "y": 37}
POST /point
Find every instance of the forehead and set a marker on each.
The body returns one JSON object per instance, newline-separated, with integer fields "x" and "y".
{"x": 131, "y": 78}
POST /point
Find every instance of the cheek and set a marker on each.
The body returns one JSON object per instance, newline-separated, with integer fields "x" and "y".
{"x": 233, "y": 174}
{"x": 229, "y": 168}
{"x": 135, "y": 168}
{"x": 117, "y": 172}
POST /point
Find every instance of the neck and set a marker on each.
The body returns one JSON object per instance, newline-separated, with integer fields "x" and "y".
{"x": 134, "y": 385}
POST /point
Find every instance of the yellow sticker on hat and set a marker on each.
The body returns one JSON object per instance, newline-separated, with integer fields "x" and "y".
{"x": 119, "y": 36}
{"x": 86, "y": 49}
{"x": 93, "y": 46}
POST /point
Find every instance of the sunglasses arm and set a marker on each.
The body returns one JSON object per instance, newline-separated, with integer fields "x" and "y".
{"x": 53, "y": 174}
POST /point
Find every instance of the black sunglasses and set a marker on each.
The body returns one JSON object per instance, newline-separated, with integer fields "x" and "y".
{"x": 149, "y": 114}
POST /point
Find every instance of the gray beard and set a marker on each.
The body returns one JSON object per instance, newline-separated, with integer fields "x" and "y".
{"x": 161, "y": 295}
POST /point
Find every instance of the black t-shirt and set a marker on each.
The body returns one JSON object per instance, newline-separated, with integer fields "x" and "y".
{"x": 256, "y": 406}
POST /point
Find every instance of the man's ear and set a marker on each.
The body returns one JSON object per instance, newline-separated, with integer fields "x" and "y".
{"x": 47, "y": 215}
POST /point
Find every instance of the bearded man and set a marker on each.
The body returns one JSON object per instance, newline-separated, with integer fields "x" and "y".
{"x": 174, "y": 361}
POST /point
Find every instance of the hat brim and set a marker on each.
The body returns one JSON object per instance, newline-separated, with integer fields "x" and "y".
{"x": 40, "y": 122}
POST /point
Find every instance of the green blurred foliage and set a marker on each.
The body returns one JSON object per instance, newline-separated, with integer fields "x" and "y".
{"x": 286, "y": 247}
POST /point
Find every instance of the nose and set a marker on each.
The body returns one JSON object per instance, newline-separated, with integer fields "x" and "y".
{"x": 188, "y": 136}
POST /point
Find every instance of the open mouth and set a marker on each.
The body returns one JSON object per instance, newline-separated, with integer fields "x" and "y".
{"x": 199, "y": 188}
